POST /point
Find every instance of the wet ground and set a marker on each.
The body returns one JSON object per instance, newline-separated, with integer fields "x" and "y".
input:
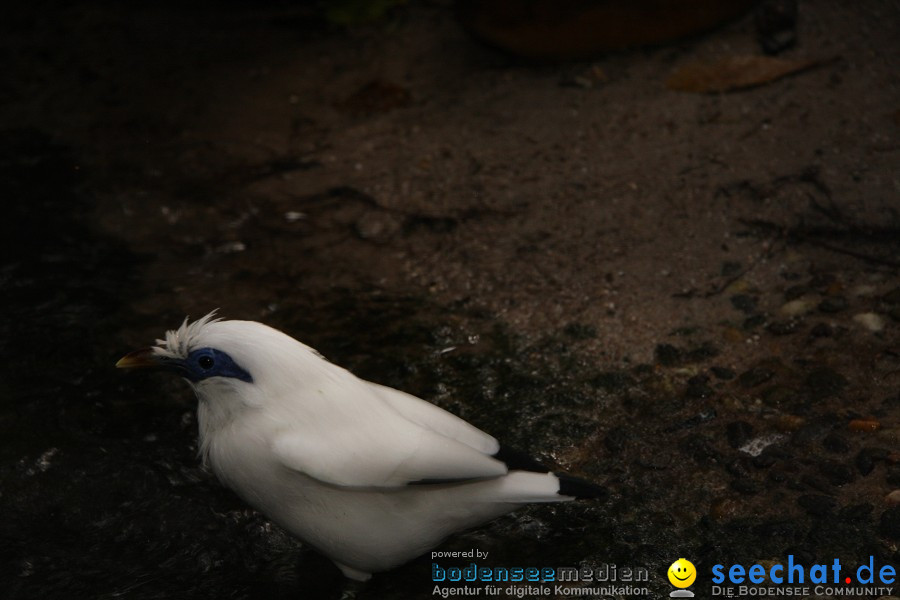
{"x": 691, "y": 298}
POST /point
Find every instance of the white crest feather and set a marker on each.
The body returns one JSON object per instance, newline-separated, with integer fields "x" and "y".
{"x": 179, "y": 342}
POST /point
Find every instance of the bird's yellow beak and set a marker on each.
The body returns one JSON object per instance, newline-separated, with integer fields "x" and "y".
{"x": 139, "y": 359}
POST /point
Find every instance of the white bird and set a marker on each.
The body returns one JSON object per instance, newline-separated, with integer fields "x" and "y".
{"x": 368, "y": 475}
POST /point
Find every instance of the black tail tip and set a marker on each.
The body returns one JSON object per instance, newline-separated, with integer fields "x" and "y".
{"x": 580, "y": 488}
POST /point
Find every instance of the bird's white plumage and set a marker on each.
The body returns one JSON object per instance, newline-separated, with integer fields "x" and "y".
{"x": 331, "y": 457}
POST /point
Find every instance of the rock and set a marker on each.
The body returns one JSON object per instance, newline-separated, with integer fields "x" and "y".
{"x": 755, "y": 376}
{"x": 798, "y": 307}
{"x": 871, "y": 321}
{"x": 893, "y": 498}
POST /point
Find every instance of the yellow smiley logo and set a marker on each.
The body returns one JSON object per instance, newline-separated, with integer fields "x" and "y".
{"x": 682, "y": 573}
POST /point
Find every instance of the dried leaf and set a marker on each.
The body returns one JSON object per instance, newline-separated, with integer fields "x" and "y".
{"x": 735, "y": 73}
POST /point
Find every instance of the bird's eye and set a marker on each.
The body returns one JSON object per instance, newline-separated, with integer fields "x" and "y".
{"x": 206, "y": 362}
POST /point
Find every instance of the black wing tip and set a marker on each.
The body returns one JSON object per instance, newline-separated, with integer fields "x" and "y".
{"x": 579, "y": 488}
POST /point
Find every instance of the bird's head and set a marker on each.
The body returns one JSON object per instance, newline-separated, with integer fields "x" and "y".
{"x": 228, "y": 363}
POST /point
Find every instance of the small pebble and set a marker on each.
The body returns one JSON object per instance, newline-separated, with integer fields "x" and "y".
{"x": 893, "y": 498}
{"x": 871, "y": 321}
{"x": 755, "y": 376}
{"x": 798, "y": 307}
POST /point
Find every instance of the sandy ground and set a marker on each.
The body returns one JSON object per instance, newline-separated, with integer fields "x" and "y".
{"x": 676, "y": 254}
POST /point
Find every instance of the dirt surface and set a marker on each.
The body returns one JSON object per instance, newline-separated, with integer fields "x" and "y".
{"x": 633, "y": 283}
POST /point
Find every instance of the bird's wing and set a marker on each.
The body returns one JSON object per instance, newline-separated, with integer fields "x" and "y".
{"x": 416, "y": 455}
{"x": 387, "y": 440}
{"x": 437, "y": 419}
